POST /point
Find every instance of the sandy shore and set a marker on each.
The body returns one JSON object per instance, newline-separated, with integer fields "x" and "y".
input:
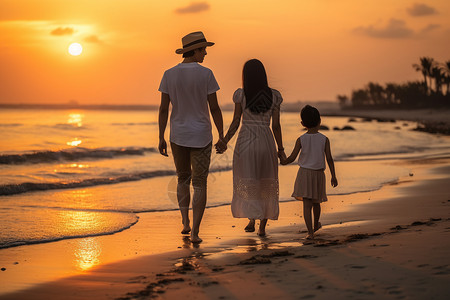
{"x": 389, "y": 243}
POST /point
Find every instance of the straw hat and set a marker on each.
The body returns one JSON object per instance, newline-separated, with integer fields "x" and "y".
{"x": 193, "y": 41}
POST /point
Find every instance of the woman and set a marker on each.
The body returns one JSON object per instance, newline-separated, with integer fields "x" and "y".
{"x": 255, "y": 162}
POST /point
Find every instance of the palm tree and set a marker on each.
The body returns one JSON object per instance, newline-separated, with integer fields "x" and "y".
{"x": 376, "y": 93}
{"x": 360, "y": 98}
{"x": 446, "y": 69}
{"x": 391, "y": 90}
{"x": 425, "y": 66}
{"x": 438, "y": 76}
{"x": 343, "y": 99}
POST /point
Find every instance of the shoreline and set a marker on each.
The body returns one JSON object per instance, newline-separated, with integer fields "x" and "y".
{"x": 227, "y": 253}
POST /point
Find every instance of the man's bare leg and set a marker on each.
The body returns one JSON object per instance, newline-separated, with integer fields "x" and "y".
{"x": 184, "y": 199}
{"x": 198, "y": 207}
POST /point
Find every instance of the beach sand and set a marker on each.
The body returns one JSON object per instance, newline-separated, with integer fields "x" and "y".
{"x": 386, "y": 244}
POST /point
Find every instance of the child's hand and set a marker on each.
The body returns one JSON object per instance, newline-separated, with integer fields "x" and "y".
{"x": 334, "y": 182}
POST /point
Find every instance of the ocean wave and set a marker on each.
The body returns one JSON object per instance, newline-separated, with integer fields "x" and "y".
{"x": 14, "y": 189}
{"x": 69, "y": 155}
{"x": 11, "y": 124}
{"x": 375, "y": 155}
{"x": 65, "y": 126}
{"x": 16, "y": 243}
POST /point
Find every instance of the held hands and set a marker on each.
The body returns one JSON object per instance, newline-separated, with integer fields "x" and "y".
{"x": 282, "y": 156}
{"x": 221, "y": 146}
{"x": 162, "y": 147}
{"x": 334, "y": 181}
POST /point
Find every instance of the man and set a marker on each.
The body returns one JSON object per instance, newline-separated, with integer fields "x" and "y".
{"x": 190, "y": 87}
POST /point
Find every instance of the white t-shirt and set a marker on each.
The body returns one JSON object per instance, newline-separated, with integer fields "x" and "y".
{"x": 188, "y": 86}
{"x": 312, "y": 155}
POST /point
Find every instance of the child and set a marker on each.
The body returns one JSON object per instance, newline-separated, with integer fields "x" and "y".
{"x": 309, "y": 186}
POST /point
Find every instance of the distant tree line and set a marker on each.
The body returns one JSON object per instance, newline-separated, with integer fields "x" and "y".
{"x": 433, "y": 91}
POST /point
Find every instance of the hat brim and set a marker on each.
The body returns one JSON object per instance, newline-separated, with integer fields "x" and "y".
{"x": 196, "y": 46}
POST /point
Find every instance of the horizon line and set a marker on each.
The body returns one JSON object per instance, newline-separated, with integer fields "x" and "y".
{"x": 228, "y": 106}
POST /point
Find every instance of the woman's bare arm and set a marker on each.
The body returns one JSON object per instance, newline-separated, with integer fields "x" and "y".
{"x": 235, "y": 123}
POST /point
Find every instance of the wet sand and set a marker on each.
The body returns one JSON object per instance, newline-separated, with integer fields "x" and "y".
{"x": 389, "y": 243}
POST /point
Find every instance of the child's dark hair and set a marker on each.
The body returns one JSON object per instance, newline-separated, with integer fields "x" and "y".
{"x": 310, "y": 116}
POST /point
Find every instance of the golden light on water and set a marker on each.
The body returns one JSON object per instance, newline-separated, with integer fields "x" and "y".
{"x": 87, "y": 254}
{"x": 75, "y": 119}
{"x": 80, "y": 166}
{"x": 79, "y": 223}
{"x": 74, "y": 142}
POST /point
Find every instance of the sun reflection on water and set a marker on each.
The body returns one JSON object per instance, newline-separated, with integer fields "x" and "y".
{"x": 87, "y": 254}
{"x": 79, "y": 166}
{"x": 75, "y": 142}
{"x": 87, "y": 250}
{"x": 75, "y": 119}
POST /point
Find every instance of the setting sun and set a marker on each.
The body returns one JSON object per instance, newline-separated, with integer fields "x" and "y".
{"x": 75, "y": 49}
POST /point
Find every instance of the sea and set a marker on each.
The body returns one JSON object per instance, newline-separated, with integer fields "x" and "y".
{"x": 74, "y": 173}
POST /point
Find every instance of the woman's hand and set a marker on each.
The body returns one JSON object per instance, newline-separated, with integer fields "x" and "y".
{"x": 282, "y": 156}
{"x": 221, "y": 146}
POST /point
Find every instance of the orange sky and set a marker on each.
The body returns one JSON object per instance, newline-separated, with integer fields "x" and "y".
{"x": 312, "y": 49}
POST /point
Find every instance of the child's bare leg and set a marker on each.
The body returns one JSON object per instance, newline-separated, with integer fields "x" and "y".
{"x": 307, "y": 215}
{"x": 316, "y": 211}
{"x": 262, "y": 227}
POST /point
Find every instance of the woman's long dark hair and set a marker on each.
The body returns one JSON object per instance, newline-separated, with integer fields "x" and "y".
{"x": 258, "y": 95}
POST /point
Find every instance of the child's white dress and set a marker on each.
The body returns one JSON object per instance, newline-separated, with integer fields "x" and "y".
{"x": 255, "y": 164}
{"x": 310, "y": 181}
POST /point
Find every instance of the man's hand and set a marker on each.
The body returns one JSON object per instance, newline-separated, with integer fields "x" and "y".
{"x": 220, "y": 146}
{"x": 163, "y": 147}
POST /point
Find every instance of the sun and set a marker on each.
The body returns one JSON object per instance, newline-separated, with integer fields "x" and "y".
{"x": 75, "y": 49}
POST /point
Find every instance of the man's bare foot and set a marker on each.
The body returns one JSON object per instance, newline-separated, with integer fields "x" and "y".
{"x": 186, "y": 229}
{"x": 250, "y": 227}
{"x": 195, "y": 239}
{"x": 319, "y": 225}
{"x": 310, "y": 236}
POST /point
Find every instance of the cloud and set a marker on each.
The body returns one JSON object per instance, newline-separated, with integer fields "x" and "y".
{"x": 62, "y": 31}
{"x": 92, "y": 39}
{"x": 420, "y": 9}
{"x": 395, "y": 29}
{"x": 430, "y": 28}
{"x": 194, "y": 7}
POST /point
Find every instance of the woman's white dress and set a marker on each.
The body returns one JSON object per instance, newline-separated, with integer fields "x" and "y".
{"x": 255, "y": 164}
